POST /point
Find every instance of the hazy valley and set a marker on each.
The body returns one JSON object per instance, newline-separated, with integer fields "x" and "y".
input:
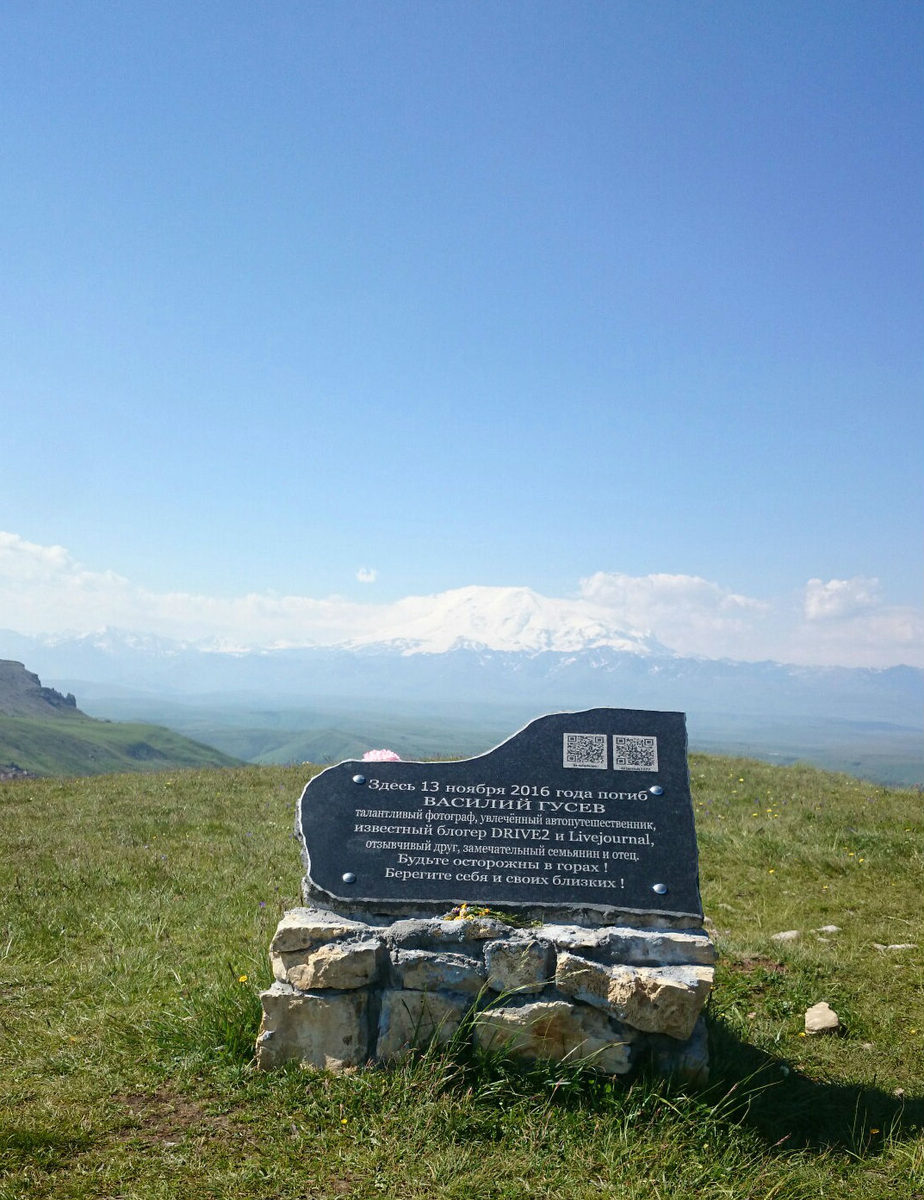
{"x": 437, "y": 691}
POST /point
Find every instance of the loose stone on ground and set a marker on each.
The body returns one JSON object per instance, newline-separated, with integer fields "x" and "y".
{"x": 821, "y": 1018}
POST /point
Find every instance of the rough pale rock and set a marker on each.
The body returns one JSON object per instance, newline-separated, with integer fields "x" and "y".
{"x": 319, "y": 1029}
{"x": 828, "y": 929}
{"x": 634, "y": 947}
{"x": 656, "y": 1000}
{"x": 350, "y": 989}
{"x": 410, "y": 1019}
{"x": 517, "y": 965}
{"x": 821, "y": 1018}
{"x": 788, "y": 935}
{"x": 424, "y": 971}
{"x": 304, "y": 927}
{"x": 557, "y": 1030}
{"x": 331, "y": 965}
{"x": 421, "y": 933}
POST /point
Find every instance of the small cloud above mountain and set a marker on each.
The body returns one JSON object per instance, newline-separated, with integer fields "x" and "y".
{"x": 840, "y": 597}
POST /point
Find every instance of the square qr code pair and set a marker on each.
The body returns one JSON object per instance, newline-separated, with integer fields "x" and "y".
{"x": 631, "y": 752}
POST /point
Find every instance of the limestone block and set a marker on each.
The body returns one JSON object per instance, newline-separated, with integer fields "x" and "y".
{"x": 318, "y": 1029}
{"x": 424, "y": 971}
{"x": 633, "y": 947}
{"x": 471, "y": 929}
{"x": 658, "y": 947}
{"x": 412, "y": 933}
{"x": 555, "y": 1029}
{"x": 688, "y": 1060}
{"x": 517, "y": 965}
{"x": 332, "y": 965}
{"x": 422, "y": 933}
{"x": 304, "y": 927}
{"x": 411, "y": 1019}
{"x": 652, "y": 999}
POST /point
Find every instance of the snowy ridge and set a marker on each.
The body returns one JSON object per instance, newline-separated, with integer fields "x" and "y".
{"x": 509, "y": 619}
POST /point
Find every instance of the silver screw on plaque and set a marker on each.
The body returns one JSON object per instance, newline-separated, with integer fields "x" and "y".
{"x": 359, "y": 779}
{"x": 348, "y": 877}
{"x": 660, "y": 889}
{"x": 657, "y": 790}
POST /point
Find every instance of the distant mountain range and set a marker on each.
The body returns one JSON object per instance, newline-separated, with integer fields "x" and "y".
{"x": 466, "y": 672}
{"x": 513, "y": 620}
{"x": 481, "y": 659}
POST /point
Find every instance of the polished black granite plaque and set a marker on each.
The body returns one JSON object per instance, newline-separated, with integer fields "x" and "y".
{"x": 578, "y": 809}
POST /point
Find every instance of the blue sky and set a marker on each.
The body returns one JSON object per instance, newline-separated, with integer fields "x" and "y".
{"x": 464, "y": 294}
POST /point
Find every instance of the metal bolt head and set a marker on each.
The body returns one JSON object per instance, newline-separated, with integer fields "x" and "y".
{"x": 657, "y": 790}
{"x": 359, "y": 779}
{"x": 660, "y": 889}
{"x": 348, "y": 877}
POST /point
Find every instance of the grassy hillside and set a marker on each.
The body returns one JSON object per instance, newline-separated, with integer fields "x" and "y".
{"x": 78, "y": 745}
{"x": 321, "y": 734}
{"x": 43, "y": 732}
{"x": 331, "y": 732}
{"x": 135, "y": 912}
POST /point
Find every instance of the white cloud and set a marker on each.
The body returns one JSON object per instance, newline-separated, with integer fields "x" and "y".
{"x": 842, "y": 622}
{"x": 876, "y": 637}
{"x": 847, "y": 620}
{"x": 840, "y": 597}
{"x": 690, "y": 614}
{"x": 43, "y": 589}
{"x": 367, "y": 574}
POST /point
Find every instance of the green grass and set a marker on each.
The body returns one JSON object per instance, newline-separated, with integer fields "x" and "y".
{"x": 132, "y": 906}
{"x": 74, "y": 744}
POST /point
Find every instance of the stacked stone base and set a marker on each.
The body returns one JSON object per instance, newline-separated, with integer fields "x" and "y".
{"x": 348, "y": 992}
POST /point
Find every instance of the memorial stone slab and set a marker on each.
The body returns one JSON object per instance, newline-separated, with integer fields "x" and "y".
{"x": 578, "y": 810}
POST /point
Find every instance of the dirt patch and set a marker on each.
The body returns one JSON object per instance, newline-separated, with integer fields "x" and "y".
{"x": 751, "y": 963}
{"x": 339, "y": 1186}
{"x": 164, "y": 1118}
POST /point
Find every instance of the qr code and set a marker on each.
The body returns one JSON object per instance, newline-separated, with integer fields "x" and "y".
{"x": 634, "y": 753}
{"x": 585, "y": 750}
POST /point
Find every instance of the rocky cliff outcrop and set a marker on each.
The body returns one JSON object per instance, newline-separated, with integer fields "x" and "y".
{"x": 22, "y": 694}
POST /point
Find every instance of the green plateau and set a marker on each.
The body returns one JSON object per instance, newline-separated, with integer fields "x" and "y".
{"x": 44, "y": 733}
{"x": 135, "y": 916}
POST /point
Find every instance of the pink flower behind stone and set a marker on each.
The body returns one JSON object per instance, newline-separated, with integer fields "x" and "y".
{"x": 381, "y": 756}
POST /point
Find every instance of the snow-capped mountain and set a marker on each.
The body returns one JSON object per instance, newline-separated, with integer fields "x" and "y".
{"x": 628, "y": 671}
{"x": 474, "y": 646}
{"x": 504, "y": 619}
{"x": 471, "y": 654}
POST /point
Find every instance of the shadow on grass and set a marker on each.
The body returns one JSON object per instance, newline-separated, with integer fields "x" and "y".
{"x": 24, "y": 1145}
{"x": 748, "y": 1088}
{"x": 788, "y": 1109}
